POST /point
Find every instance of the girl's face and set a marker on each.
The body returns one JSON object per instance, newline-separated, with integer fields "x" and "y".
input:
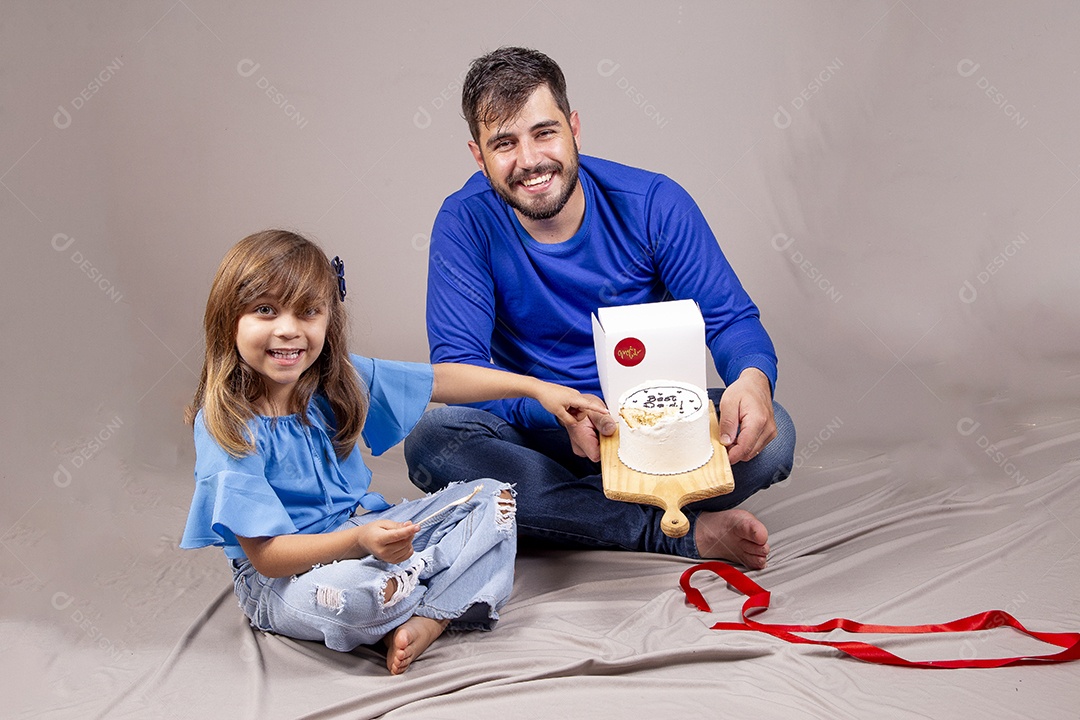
{"x": 280, "y": 343}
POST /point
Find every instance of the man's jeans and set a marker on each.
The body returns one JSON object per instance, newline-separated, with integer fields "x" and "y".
{"x": 560, "y": 496}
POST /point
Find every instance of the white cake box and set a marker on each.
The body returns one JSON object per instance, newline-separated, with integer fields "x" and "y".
{"x": 651, "y": 341}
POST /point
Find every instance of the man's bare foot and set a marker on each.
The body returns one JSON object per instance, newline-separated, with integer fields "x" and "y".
{"x": 734, "y": 535}
{"x": 405, "y": 642}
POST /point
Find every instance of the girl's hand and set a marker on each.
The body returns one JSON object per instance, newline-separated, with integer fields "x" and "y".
{"x": 583, "y": 416}
{"x": 387, "y": 540}
{"x": 568, "y": 405}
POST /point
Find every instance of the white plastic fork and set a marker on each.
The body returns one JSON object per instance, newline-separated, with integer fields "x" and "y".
{"x": 443, "y": 509}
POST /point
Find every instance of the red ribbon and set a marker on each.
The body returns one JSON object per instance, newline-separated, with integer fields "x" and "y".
{"x": 758, "y": 601}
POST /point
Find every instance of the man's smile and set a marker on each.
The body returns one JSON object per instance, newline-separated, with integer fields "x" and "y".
{"x": 539, "y": 180}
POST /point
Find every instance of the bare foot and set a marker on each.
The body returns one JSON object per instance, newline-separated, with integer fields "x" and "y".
{"x": 734, "y": 535}
{"x": 405, "y": 642}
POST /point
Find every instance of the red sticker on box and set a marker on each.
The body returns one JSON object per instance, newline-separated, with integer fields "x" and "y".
{"x": 629, "y": 351}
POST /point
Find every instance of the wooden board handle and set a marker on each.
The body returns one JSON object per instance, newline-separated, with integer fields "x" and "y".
{"x": 674, "y": 523}
{"x": 667, "y": 492}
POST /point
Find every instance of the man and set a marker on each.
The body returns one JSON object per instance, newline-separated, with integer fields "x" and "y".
{"x": 520, "y": 258}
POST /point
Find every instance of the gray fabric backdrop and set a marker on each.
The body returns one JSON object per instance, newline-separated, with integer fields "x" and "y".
{"x": 895, "y": 183}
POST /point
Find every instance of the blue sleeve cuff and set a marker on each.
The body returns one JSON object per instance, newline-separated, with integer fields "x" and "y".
{"x": 764, "y": 363}
{"x": 398, "y": 395}
{"x": 230, "y": 504}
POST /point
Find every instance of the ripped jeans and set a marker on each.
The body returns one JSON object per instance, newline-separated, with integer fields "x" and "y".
{"x": 462, "y": 570}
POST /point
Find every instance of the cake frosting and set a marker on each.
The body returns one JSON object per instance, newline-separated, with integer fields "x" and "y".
{"x": 664, "y": 427}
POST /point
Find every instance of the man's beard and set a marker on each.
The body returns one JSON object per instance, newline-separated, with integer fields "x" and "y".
{"x": 544, "y": 208}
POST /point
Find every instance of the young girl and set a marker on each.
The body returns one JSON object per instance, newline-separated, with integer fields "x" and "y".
{"x": 281, "y": 486}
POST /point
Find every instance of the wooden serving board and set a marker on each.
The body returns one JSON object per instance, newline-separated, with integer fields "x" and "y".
{"x": 669, "y": 492}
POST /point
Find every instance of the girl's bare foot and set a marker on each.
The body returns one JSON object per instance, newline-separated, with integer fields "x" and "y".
{"x": 405, "y": 642}
{"x": 734, "y": 535}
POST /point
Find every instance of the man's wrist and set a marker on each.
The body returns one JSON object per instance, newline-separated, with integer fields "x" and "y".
{"x": 756, "y": 375}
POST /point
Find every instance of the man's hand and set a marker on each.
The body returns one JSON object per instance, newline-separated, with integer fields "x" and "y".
{"x": 747, "y": 424}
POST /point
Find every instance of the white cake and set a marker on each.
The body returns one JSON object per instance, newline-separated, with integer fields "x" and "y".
{"x": 664, "y": 428}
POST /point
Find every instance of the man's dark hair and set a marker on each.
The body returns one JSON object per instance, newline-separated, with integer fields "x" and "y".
{"x": 500, "y": 83}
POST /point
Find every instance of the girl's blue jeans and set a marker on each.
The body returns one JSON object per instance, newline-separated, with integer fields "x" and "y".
{"x": 462, "y": 570}
{"x": 560, "y": 495}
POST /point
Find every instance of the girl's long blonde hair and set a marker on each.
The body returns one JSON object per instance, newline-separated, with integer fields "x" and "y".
{"x": 296, "y": 270}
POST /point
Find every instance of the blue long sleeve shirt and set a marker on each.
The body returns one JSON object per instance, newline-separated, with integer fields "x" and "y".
{"x": 497, "y": 296}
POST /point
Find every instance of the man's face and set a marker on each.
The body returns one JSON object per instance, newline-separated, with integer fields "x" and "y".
{"x": 531, "y": 160}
